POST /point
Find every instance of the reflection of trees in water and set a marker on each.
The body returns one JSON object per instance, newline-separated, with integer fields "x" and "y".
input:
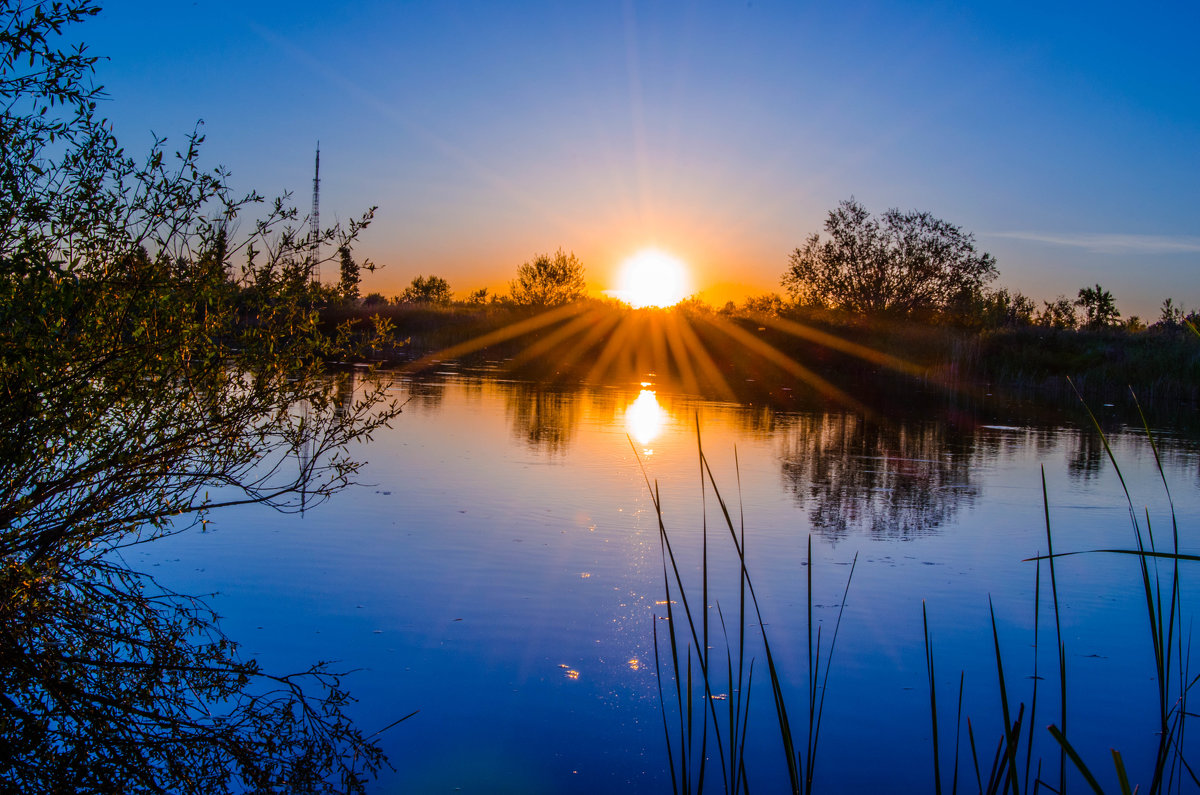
{"x": 545, "y": 419}
{"x": 1087, "y": 455}
{"x": 427, "y": 394}
{"x": 894, "y": 481}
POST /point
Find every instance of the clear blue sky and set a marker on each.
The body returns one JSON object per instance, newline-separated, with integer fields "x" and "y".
{"x": 1066, "y": 137}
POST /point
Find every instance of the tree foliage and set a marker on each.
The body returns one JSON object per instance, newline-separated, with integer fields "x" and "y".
{"x": 427, "y": 290}
{"x": 349, "y": 273}
{"x": 899, "y": 263}
{"x": 152, "y": 369}
{"x": 1058, "y": 314}
{"x": 1099, "y": 308}
{"x": 548, "y": 280}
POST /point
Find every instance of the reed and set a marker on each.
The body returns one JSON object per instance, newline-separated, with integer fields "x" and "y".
{"x": 733, "y": 680}
{"x": 1159, "y": 574}
{"x": 694, "y": 727}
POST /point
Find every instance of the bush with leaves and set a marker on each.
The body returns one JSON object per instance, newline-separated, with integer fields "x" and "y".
{"x": 147, "y": 379}
{"x": 548, "y": 280}
{"x": 426, "y": 290}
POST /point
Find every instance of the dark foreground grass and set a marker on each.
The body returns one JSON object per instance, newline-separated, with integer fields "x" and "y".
{"x": 689, "y": 712}
{"x": 700, "y": 666}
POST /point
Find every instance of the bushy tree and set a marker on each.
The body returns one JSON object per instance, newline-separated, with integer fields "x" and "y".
{"x": 1058, "y": 314}
{"x": 1170, "y": 315}
{"x": 478, "y": 297}
{"x": 548, "y": 280}
{"x": 1099, "y": 308}
{"x": 146, "y": 380}
{"x": 427, "y": 290}
{"x": 350, "y": 278}
{"x": 1007, "y": 309}
{"x": 764, "y": 304}
{"x": 899, "y": 263}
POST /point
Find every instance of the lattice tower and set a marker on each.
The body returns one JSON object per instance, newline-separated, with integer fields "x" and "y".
{"x": 314, "y": 222}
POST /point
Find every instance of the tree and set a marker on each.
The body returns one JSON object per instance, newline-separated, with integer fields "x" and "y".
{"x": 1005, "y": 309}
{"x": 1171, "y": 316}
{"x": 1058, "y": 314}
{"x": 901, "y": 263}
{"x": 146, "y": 381}
{"x": 548, "y": 280}
{"x": 478, "y": 297}
{"x": 427, "y": 290}
{"x": 1099, "y": 308}
{"x": 348, "y": 285}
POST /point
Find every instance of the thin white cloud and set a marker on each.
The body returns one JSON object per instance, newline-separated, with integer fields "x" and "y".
{"x": 1111, "y": 244}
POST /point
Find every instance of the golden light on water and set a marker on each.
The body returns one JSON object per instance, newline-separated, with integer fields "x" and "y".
{"x": 653, "y": 278}
{"x": 645, "y": 419}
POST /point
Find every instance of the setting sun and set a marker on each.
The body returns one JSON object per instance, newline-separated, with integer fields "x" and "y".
{"x": 653, "y": 278}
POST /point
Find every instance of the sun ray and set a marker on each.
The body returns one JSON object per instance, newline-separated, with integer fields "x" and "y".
{"x": 787, "y": 364}
{"x": 616, "y": 344}
{"x": 493, "y": 337}
{"x": 679, "y": 354}
{"x": 658, "y": 344}
{"x": 589, "y": 319}
{"x": 845, "y": 346}
{"x": 707, "y": 366}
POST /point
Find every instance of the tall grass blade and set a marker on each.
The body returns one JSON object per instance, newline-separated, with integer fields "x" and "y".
{"x": 962, "y": 676}
{"x": 937, "y": 764}
{"x": 1037, "y": 602}
{"x": 1009, "y": 738}
{"x": 1062, "y": 649}
{"x": 974, "y": 754}
{"x": 662, "y": 707}
{"x": 1122, "y": 777}
{"x": 816, "y": 730}
{"x": 1075, "y": 758}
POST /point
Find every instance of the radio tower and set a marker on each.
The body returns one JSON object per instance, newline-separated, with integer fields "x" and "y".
{"x": 314, "y": 223}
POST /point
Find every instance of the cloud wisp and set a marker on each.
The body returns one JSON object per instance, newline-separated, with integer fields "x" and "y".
{"x": 1098, "y": 243}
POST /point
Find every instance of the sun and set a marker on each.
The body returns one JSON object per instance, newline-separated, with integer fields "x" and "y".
{"x": 653, "y": 278}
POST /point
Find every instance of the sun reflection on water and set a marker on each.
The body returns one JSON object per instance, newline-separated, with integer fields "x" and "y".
{"x": 645, "y": 419}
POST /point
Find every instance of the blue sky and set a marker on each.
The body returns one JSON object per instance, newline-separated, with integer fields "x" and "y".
{"x": 1066, "y": 137}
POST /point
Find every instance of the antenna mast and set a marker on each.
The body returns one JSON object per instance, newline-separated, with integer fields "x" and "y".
{"x": 314, "y": 223}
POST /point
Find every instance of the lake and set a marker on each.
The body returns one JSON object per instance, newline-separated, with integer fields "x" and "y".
{"x": 501, "y": 571}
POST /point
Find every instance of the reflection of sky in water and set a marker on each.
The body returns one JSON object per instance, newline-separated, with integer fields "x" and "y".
{"x": 503, "y": 581}
{"x": 645, "y": 419}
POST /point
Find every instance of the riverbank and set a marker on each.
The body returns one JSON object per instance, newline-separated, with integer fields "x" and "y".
{"x": 840, "y": 351}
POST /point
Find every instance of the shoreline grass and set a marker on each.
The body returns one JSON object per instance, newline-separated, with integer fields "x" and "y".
{"x": 1024, "y": 753}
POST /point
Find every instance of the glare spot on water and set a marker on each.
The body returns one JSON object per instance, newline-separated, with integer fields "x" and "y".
{"x": 645, "y": 419}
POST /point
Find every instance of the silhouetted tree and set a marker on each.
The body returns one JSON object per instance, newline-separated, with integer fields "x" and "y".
{"x": 144, "y": 383}
{"x": 1058, "y": 314}
{"x": 478, "y": 297}
{"x": 1005, "y": 309}
{"x": 348, "y": 286}
{"x": 427, "y": 290}
{"x": 548, "y": 280}
{"x": 1171, "y": 316}
{"x": 1099, "y": 308}
{"x": 902, "y": 262}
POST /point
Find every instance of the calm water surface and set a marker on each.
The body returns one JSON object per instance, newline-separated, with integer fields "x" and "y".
{"x": 502, "y": 573}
